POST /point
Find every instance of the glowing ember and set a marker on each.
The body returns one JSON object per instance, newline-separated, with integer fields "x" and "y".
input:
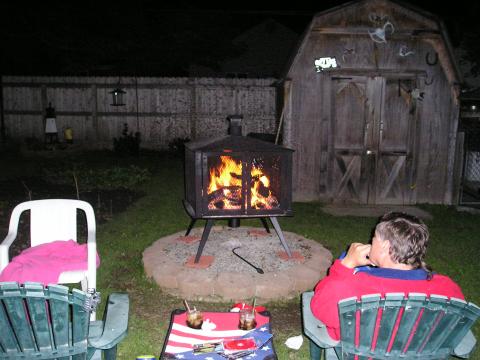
{"x": 225, "y": 187}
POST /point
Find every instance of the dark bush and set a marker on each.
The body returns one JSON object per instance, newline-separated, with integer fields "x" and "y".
{"x": 177, "y": 145}
{"x": 34, "y": 144}
{"x": 89, "y": 178}
{"x": 10, "y": 147}
{"x": 128, "y": 144}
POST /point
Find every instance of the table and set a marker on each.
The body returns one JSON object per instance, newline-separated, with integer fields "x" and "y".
{"x": 180, "y": 338}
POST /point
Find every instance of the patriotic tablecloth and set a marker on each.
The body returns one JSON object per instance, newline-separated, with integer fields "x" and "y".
{"x": 180, "y": 338}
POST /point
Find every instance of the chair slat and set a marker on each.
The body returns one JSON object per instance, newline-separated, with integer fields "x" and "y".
{"x": 347, "y": 309}
{"x": 59, "y": 310}
{"x": 8, "y": 343}
{"x": 368, "y": 316}
{"x": 445, "y": 328}
{"x": 391, "y": 309}
{"x": 80, "y": 321}
{"x": 17, "y": 313}
{"x": 39, "y": 317}
{"x": 431, "y": 316}
{"x": 412, "y": 309}
{"x": 470, "y": 314}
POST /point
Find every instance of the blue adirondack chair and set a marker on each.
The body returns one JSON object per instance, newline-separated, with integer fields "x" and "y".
{"x": 38, "y": 322}
{"x": 429, "y": 327}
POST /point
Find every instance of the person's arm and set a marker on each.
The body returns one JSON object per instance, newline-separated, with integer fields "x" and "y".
{"x": 336, "y": 286}
{"x": 357, "y": 255}
{"x": 327, "y": 294}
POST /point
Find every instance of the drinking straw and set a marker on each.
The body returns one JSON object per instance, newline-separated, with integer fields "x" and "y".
{"x": 186, "y": 305}
{"x": 253, "y": 306}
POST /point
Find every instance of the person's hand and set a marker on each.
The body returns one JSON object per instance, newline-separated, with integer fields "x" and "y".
{"x": 357, "y": 255}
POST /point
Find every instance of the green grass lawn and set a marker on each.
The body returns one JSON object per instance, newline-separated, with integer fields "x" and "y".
{"x": 454, "y": 251}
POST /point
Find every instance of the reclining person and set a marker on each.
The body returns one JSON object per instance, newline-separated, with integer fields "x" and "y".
{"x": 394, "y": 262}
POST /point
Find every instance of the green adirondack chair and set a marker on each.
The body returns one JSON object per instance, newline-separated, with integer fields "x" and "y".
{"x": 429, "y": 327}
{"x": 38, "y": 322}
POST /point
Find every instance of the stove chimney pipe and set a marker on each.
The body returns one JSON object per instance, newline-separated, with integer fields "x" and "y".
{"x": 235, "y": 128}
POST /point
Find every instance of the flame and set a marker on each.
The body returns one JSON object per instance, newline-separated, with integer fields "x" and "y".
{"x": 225, "y": 187}
{"x": 227, "y": 180}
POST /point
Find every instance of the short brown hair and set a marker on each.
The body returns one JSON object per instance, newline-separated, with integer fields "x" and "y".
{"x": 408, "y": 237}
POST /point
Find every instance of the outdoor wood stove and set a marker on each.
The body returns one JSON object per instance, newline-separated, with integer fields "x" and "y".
{"x": 234, "y": 177}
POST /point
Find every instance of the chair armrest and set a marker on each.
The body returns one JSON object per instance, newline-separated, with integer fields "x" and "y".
{"x": 12, "y": 233}
{"x": 314, "y": 329}
{"x": 466, "y": 346}
{"x": 115, "y": 324}
{"x": 4, "y": 247}
{"x": 91, "y": 243}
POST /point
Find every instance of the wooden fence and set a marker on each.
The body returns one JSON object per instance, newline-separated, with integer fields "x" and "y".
{"x": 161, "y": 109}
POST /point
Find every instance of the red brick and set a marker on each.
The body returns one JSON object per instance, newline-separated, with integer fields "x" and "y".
{"x": 257, "y": 232}
{"x": 296, "y": 256}
{"x": 188, "y": 239}
{"x": 203, "y": 263}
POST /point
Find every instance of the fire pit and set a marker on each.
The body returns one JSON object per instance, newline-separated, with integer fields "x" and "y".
{"x": 236, "y": 177}
{"x": 228, "y": 278}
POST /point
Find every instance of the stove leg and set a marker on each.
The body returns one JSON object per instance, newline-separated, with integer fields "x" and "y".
{"x": 190, "y": 227}
{"x": 234, "y": 222}
{"x": 265, "y": 225}
{"x": 206, "y": 232}
{"x": 276, "y": 225}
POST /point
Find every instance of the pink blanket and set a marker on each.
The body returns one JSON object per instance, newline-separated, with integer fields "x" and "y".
{"x": 44, "y": 263}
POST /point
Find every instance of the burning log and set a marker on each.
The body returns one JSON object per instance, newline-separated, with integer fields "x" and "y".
{"x": 217, "y": 205}
{"x": 221, "y": 192}
{"x": 268, "y": 203}
{"x": 231, "y": 195}
{"x": 263, "y": 190}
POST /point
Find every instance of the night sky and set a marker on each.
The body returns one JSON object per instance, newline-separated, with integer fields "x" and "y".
{"x": 157, "y": 38}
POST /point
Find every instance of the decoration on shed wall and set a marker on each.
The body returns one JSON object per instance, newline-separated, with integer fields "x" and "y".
{"x": 325, "y": 63}
{"x": 347, "y": 52}
{"x": 379, "y": 34}
{"x": 411, "y": 94}
{"x": 431, "y": 62}
{"x": 428, "y": 81}
{"x": 378, "y": 19}
{"x": 417, "y": 94}
{"x": 404, "y": 51}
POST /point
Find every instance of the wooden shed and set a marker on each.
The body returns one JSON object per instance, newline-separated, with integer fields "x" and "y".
{"x": 371, "y": 107}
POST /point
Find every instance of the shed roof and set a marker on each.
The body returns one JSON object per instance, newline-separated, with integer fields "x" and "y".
{"x": 421, "y": 23}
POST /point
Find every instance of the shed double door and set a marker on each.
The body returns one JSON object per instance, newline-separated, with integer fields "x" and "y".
{"x": 372, "y": 139}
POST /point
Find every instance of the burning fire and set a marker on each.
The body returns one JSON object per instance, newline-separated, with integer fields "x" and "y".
{"x": 225, "y": 187}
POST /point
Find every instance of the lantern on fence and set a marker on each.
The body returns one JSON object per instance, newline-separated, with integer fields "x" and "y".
{"x": 117, "y": 97}
{"x": 51, "y": 133}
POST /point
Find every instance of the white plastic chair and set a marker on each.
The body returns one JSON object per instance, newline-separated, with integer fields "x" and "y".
{"x": 51, "y": 220}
